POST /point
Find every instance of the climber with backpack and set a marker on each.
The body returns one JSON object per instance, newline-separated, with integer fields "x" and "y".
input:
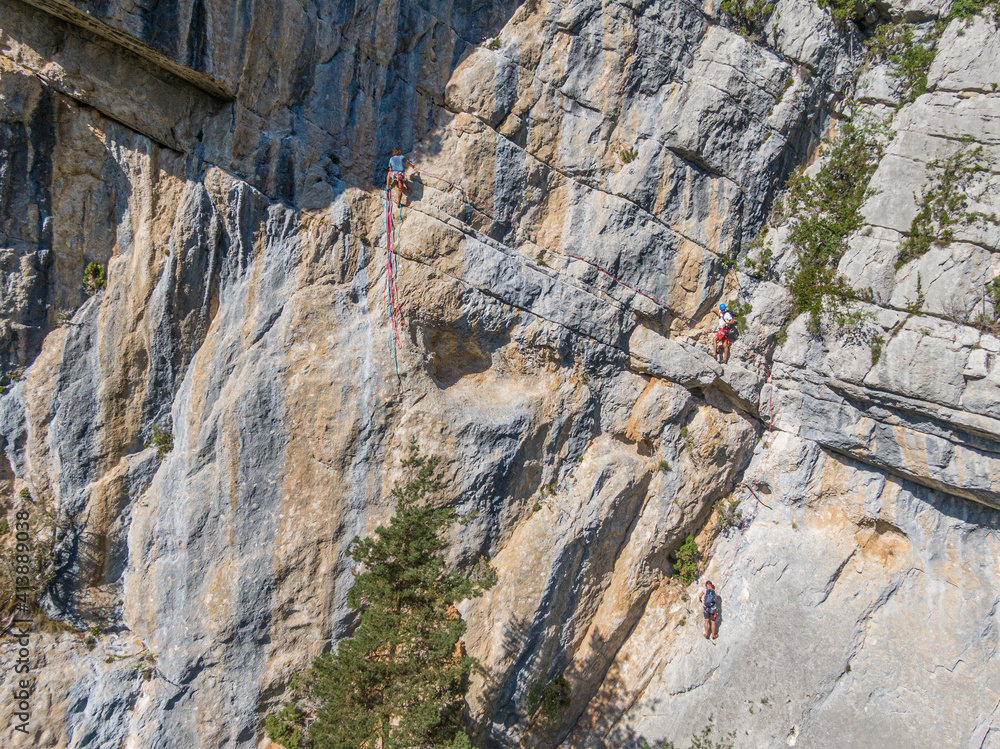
{"x": 727, "y": 321}
{"x": 710, "y": 608}
{"x": 396, "y": 177}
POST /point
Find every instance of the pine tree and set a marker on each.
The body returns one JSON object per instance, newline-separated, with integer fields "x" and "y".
{"x": 400, "y": 679}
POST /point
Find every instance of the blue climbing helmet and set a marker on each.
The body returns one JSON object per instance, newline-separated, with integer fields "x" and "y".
{"x": 722, "y": 307}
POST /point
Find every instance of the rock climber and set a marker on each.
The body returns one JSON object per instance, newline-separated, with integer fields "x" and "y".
{"x": 723, "y": 333}
{"x": 396, "y": 175}
{"x": 710, "y": 608}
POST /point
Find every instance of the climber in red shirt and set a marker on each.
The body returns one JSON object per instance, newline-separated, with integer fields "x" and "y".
{"x": 723, "y": 333}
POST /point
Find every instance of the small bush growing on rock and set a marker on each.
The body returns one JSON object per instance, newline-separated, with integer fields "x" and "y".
{"x": 747, "y": 17}
{"x": 739, "y": 309}
{"x": 942, "y": 204}
{"x": 993, "y": 291}
{"x": 629, "y": 155}
{"x": 162, "y": 440}
{"x": 664, "y": 466}
{"x": 877, "y": 343}
{"x": 27, "y": 568}
{"x": 825, "y": 211}
{"x": 11, "y": 377}
{"x": 687, "y": 557}
{"x": 911, "y": 58}
{"x": 730, "y": 514}
{"x": 283, "y": 727}
{"x": 94, "y": 278}
{"x": 547, "y": 699}
{"x": 841, "y": 10}
{"x": 966, "y": 9}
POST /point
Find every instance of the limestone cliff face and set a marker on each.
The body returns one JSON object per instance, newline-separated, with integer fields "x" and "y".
{"x": 223, "y": 160}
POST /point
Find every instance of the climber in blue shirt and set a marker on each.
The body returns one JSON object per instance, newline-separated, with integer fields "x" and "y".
{"x": 396, "y": 175}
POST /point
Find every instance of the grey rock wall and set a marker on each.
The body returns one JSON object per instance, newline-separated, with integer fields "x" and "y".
{"x": 225, "y": 165}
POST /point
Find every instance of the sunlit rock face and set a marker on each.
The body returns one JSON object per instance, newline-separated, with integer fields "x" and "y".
{"x": 225, "y": 161}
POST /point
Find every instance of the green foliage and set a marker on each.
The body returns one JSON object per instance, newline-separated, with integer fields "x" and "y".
{"x": 747, "y": 17}
{"x": 739, "y": 309}
{"x": 94, "y": 278}
{"x": 285, "y": 727}
{"x": 400, "y": 679}
{"x": 494, "y": 43}
{"x": 162, "y": 440}
{"x": 966, "y": 9}
{"x": 547, "y": 699}
{"x": 993, "y": 289}
{"x": 629, "y": 155}
{"x": 702, "y": 739}
{"x": 942, "y": 204}
{"x": 664, "y": 466}
{"x": 825, "y": 211}
{"x": 687, "y": 557}
{"x": 911, "y": 58}
{"x": 789, "y": 82}
{"x": 841, "y": 10}
{"x": 536, "y": 507}
{"x": 4, "y": 527}
{"x": 877, "y": 343}
{"x": 730, "y": 514}
{"x": 9, "y": 378}
{"x": 28, "y": 564}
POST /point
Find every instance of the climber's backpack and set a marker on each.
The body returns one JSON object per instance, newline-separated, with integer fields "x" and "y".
{"x": 710, "y": 601}
{"x": 731, "y": 326}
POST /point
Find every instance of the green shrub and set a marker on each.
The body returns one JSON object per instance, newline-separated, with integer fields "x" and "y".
{"x": 993, "y": 289}
{"x": 966, "y": 9}
{"x": 877, "y": 342}
{"x": 687, "y": 557}
{"x": 94, "y": 278}
{"x": 547, "y": 699}
{"x": 911, "y": 59}
{"x": 825, "y": 211}
{"x": 162, "y": 440}
{"x": 747, "y": 17}
{"x": 286, "y": 727}
{"x": 730, "y": 514}
{"x": 942, "y": 203}
{"x": 739, "y": 309}
{"x": 664, "y": 466}
{"x": 629, "y": 155}
{"x": 841, "y": 10}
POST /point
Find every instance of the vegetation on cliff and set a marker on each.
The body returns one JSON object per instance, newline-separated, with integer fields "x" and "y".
{"x": 400, "y": 679}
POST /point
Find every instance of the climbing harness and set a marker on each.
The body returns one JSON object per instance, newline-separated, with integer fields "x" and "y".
{"x": 536, "y": 239}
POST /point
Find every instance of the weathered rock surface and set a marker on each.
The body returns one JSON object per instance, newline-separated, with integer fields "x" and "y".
{"x": 225, "y": 165}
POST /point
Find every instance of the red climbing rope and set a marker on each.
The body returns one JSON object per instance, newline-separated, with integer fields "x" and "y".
{"x": 696, "y": 323}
